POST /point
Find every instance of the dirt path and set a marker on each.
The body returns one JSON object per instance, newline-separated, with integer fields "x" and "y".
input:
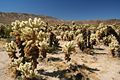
{"x": 4, "y": 61}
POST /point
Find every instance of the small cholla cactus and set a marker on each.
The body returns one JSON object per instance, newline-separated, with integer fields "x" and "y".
{"x": 26, "y": 71}
{"x": 43, "y": 48}
{"x": 68, "y": 48}
{"x": 11, "y": 48}
{"x": 65, "y": 35}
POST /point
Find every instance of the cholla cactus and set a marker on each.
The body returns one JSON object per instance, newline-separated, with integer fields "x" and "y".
{"x": 26, "y": 70}
{"x": 68, "y": 48}
{"x": 71, "y": 35}
{"x": 80, "y": 41}
{"x": 43, "y": 48}
{"x": 79, "y": 38}
{"x": 27, "y": 33}
{"x": 100, "y": 33}
{"x": 93, "y": 39}
{"x": 15, "y": 25}
{"x": 41, "y": 36}
{"x": 62, "y": 34}
{"x": 107, "y": 40}
{"x": 16, "y": 62}
{"x": 65, "y": 36}
{"x": 100, "y": 29}
{"x": 114, "y": 46}
{"x": 77, "y": 32}
{"x": 28, "y": 27}
{"x": 114, "y": 43}
{"x": 68, "y": 36}
{"x": 101, "y": 25}
{"x": 11, "y": 48}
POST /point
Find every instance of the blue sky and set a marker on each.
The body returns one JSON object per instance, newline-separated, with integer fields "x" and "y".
{"x": 65, "y": 9}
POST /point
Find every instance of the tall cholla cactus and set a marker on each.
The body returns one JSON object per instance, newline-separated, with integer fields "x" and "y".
{"x": 68, "y": 48}
{"x": 93, "y": 39}
{"x": 71, "y": 35}
{"x": 26, "y": 34}
{"x": 80, "y": 41}
{"x": 114, "y": 46}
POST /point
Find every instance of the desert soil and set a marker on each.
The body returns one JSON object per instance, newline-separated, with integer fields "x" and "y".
{"x": 4, "y": 62}
{"x": 104, "y": 66}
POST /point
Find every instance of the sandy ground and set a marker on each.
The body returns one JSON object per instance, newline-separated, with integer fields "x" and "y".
{"x": 4, "y": 61}
{"x": 108, "y": 67}
{"x": 104, "y": 66}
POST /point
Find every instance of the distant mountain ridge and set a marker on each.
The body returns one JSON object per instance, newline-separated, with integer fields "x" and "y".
{"x": 8, "y": 17}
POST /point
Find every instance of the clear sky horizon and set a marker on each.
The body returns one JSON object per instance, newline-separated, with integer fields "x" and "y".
{"x": 65, "y": 9}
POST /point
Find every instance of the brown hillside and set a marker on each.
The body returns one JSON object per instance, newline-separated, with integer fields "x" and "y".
{"x": 7, "y": 18}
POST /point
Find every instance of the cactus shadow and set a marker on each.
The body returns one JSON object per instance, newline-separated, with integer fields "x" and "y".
{"x": 63, "y": 75}
{"x": 98, "y": 49}
{"x": 68, "y": 74}
{"x": 54, "y": 59}
{"x": 56, "y": 51}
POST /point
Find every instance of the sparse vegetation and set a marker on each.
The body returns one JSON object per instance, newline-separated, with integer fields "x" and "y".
{"x": 35, "y": 38}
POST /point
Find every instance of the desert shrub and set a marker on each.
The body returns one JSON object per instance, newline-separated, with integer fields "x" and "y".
{"x": 5, "y": 31}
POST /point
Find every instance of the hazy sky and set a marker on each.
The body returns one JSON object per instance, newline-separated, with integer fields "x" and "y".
{"x": 65, "y": 9}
